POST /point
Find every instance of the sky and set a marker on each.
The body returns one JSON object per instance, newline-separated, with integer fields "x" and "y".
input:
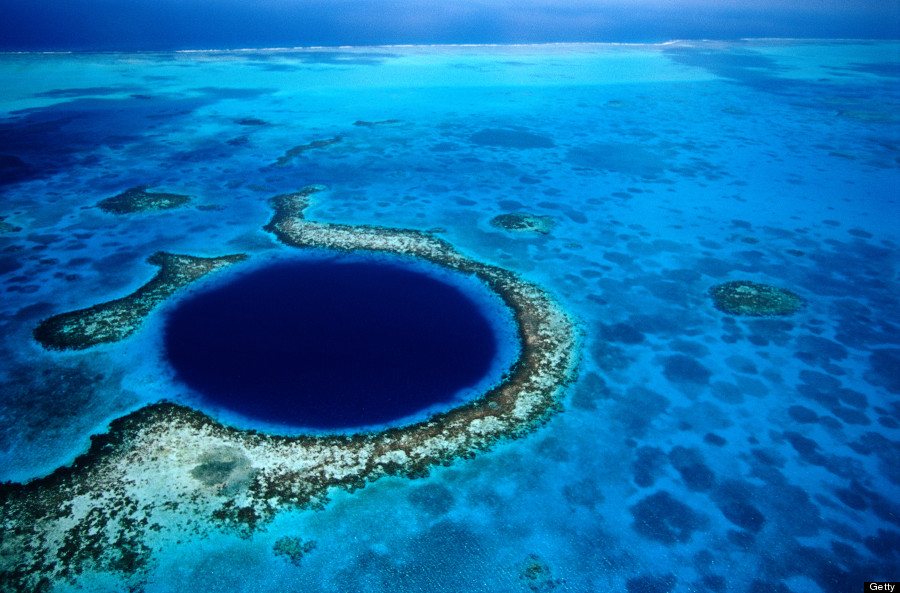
{"x": 220, "y": 24}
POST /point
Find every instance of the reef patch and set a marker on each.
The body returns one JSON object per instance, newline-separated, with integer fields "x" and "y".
{"x": 143, "y": 479}
{"x": 292, "y": 153}
{"x": 523, "y": 222}
{"x": 293, "y": 548}
{"x": 138, "y": 199}
{"x": 117, "y": 319}
{"x": 743, "y": 297}
{"x": 535, "y": 574}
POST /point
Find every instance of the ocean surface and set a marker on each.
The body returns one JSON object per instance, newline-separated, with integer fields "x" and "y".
{"x": 696, "y": 450}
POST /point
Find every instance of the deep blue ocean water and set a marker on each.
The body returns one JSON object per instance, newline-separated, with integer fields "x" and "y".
{"x": 331, "y": 343}
{"x": 696, "y": 451}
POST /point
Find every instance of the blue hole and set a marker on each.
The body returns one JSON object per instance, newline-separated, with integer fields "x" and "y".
{"x": 331, "y": 343}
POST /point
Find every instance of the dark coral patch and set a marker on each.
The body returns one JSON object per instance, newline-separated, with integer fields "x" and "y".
{"x": 648, "y": 464}
{"x": 888, "y": 422}
{"x": 714, "y": 439}
{"x": 434, "y": 499}
{"x": 715, "y": 583}
{"x": 742, "y": 297}
{"x": 807, "y": 448}
{"x": 585, "y": 492}
{"x": 815, "y": 350}
{"x": 535, "y": 574}
{"x": 638, "y": 409}
{"x": 510, "y": 139}
{"x": 885, "y": 544}
{"x": 742, "y": 539}
{"x": 651, "y": 584}
{"x": 694, "y": 471}
{"x": 803, "y": 415}
{"x": 851, "y": 416}
{"x": 591, "y": 389}
{"x": 685, "y": 369}
{"x": 885, "y": 369}
{"x": 250, "y": 121}
{"x": 293, "y": 548}
{"x": 662, "y": 518}
{"x": 138, "y": 199}
{"x": 623, "y": 333}
{"x": 743, "y": 514}
{"x": 852, "y": 498}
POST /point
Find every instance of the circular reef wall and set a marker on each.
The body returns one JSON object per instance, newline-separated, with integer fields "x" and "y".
{"x": 167, "y": 468}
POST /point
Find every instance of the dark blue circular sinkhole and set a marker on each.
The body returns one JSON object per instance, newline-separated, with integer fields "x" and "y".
{"x": 331, "y": 343}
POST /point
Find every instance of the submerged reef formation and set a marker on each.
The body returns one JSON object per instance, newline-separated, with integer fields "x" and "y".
{"x": 138, "y": 199}
{"x": 535, "y": 574}
{"x": 7, "y": 227}
{"x": 508, "y": 138}
{"x": 293, "y": 548}
{"x": 742, "y": 297}
{"x": 167, "y": 470}
{"x": 119, "y": 318}
{"x": 371, "y": 124}
{"x": 296, "y": 151}
{"x": 250, "y": 121}
{"x": 522, "y": 222}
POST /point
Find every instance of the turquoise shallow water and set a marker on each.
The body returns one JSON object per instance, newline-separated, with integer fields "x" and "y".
{"x": 697, "y": 451}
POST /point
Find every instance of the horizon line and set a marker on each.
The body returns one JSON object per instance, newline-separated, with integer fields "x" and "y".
{"x": 301, "y": 48}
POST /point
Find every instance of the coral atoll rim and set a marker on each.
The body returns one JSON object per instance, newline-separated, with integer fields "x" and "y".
{"x": 169, "y": 467}
{"x": 743, "y": 297}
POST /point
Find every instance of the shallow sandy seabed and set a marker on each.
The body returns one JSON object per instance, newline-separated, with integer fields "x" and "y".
{"x": 166, "y": 469}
